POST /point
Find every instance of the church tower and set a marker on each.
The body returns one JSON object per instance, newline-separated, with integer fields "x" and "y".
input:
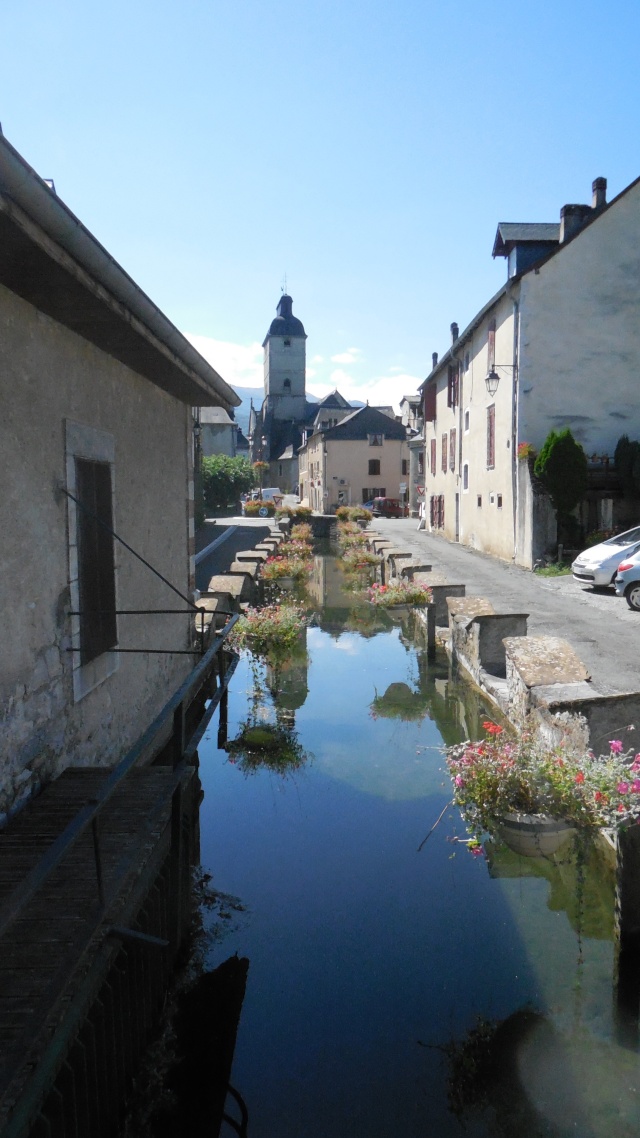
{"x": 285, "y": 365}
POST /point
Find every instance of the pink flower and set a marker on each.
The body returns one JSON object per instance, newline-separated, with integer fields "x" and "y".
{"x": 635, "y": 766}
{"x": 623, "y": 788}
{"x": 635, "y": 786}
{"x": 459, "y": 781}
{"x": 477, "y": 851}
{"x": 616, "y": 746}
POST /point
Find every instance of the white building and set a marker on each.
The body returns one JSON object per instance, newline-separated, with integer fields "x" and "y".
{"x": 558, "y": 346}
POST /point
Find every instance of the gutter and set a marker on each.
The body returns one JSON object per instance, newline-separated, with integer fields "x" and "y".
{"x": 20, "y": 183}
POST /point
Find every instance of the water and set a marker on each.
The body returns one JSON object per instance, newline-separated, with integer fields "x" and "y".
{"x": 371, "y": 964}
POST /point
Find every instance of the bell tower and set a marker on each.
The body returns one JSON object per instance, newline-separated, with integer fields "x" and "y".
{"x": 285, "y": 365}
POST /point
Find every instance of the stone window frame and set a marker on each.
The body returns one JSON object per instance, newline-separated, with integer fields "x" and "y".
{"x": 94, "y": 445}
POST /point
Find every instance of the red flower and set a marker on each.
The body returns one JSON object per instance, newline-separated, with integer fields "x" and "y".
{"x": 579, "y": 777}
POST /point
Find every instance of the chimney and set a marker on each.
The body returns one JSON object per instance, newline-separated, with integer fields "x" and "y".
{"x": 434, "y": 359}
{"x": 599, "y": 191}
{"x": 572, "y": 218}
{"x": 454, "y": 332}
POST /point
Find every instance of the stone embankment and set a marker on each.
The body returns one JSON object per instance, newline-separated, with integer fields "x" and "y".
{"x": 535, "y": 680}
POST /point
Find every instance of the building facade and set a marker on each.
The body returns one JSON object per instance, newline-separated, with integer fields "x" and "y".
{"x": 97, "y": 447}
{"x": 558, "y": 346}
{"x": 363, "y": 456}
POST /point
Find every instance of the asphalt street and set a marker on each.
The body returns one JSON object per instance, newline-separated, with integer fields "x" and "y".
{"x": 600, "y": 627}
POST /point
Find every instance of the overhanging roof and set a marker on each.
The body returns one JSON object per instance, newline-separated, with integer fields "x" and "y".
{"x": 51, "y": 260}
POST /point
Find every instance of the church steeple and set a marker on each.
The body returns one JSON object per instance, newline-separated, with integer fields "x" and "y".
{"x": 285, "y": 364}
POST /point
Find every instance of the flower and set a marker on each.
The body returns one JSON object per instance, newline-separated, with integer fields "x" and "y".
{"x": 499, "y": 776}
{"x": 616, "y": 746}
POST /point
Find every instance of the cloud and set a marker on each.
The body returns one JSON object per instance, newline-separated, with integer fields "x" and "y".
{"x": 317, "y": 360}
{"x": 351, "y": 356}
{"x": 238, "y": 364}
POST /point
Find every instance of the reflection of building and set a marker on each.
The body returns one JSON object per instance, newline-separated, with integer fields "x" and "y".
{"x": 288, "y": 681}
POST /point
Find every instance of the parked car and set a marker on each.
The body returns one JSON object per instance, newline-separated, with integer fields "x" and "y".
{"x": 387, "y": 508}
{"x": 599, "y": 564}
{"x": 368, "y": 505}
{"x": 628, "y": 581}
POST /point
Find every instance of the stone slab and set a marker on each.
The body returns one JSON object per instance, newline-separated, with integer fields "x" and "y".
{"x": 248, "y": 567}
{"x": 408, "y": 569}
{"x": 542, "y": 660}
{"x": 465, "y": 608}
{"x": 237, "y": 585}
{"x": 249, "y": 555}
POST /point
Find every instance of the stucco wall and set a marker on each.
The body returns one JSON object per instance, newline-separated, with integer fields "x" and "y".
{"x": 580, "y": 335}
{"x": 488, "y": 525}
{"x": 282, "y": 362}
{"x": 49, "y": 375}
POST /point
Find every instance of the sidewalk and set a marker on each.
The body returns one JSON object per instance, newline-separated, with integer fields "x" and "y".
{"x": 600, "y": 627}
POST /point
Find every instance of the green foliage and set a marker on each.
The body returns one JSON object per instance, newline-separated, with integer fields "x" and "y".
{"x": 225, "y": 479}
{"x": 561, "y": 466}
{"x": 557, "y": 570}
{"x": 627, "y": 463}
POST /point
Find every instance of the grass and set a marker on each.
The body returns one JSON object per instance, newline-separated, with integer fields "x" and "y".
{"x": 558, "y": 570}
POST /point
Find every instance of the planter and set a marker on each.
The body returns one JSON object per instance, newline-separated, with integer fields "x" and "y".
{"x": 534, "y": 835}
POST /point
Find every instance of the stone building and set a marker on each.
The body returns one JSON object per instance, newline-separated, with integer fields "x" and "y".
{"x": 97, "y": 442}
{"x": 276, "y": 428}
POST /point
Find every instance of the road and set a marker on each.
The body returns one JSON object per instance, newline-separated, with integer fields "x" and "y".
{"x": 600, "y": 627}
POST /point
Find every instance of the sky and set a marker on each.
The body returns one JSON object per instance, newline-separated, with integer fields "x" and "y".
{"x": 363, "y": 152}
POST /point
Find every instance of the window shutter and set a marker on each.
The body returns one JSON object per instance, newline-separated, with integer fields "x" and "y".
{"x": 433, "y": 456}
{"x": 430, "y": 403}
{"x": 491, "y": 436}
{"x": 96, "y": 564}
{"x": 452, "y": 450}
{"x": 443, "y": 456}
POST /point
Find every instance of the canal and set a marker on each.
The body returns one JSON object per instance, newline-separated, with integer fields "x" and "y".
{"x": 391, "y": 989}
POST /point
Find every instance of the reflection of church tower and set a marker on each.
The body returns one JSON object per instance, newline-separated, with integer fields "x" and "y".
{"x": 284, "y": 365}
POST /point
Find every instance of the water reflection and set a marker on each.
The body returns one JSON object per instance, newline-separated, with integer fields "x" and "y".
{"x": 361, "y": 948}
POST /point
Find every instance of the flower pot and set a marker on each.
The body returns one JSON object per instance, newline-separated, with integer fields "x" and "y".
{"x": 534, "y": 835}
{"x": 285, "y": 582}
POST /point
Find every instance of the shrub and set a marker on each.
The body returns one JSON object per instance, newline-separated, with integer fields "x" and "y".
{"x": 225, "y": 479}
{"x": 561, "y": 466}
{"x": 274, "y": 568}
{"x": 276, "y": 626}
{"x": 302, "y": 532}
{"x": 627, "y": 463}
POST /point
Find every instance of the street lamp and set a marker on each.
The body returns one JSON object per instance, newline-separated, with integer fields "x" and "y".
{"x": 493, "y": 379}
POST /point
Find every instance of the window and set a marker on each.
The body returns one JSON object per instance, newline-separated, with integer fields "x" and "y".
{"x": 92, "y": 577}
{"x": 374, "y": 466}
{"x": 405, "y": 467}
{"x": 420, "y": 462}
{"x": 466, "y": 361}
{"x": 436, "y": 511}
{"x": 433, "y": 456}
{"x": 430, "y": 403}
{"x": 96, "y": 568}
{"x": 376, "y": 440}
{"x": 479, "y": 502}
{"x": 499, "y": 502}
{"x": 491, "y": 436}
{"x": 287, "y": 343}
{"x": 287, "y": 385}
{"x": 280, "y": 470}
{"x": 465, "y": 476}
{"x": 466, "y": 421}
{"x": 452, "y": 449}
{"x": 444, "y": 455}
{"x": 452, "y": 385}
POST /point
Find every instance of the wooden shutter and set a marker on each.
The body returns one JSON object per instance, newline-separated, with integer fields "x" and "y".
{"x": 96, "y": 566}
{"x": 433, "y": 456}
{"x": 430, "y": 403}
{"x": 491, "y": 436}
{"x": 443, "y": 456}
{"x": 452, "y": 449}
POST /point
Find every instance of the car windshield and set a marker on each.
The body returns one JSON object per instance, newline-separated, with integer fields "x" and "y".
{"x": 626, "y": 538}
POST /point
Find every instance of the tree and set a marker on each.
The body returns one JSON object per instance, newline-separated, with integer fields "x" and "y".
{"x": 561, "y": 466}
{"x": 225, "y": 479}
{"x": 627, "y": 463}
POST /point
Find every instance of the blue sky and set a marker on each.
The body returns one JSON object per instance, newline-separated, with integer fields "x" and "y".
{"x": 367, "y": 150}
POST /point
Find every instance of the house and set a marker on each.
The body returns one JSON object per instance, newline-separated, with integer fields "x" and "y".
{"x": 96, "y": 514}
{"x": 218, "y": 432}
{"x": 411, "y": 416}
{"x": 557, "y": 346}
{"x": 363, "y": 456}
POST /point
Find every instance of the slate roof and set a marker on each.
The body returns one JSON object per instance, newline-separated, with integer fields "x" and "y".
{"x": 366, "y": 421}
{"x": 285, "y": 323}
{"x": 510, "y": 233}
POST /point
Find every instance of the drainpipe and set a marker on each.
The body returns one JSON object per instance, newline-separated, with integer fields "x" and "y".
{"x": 514, "y": 427}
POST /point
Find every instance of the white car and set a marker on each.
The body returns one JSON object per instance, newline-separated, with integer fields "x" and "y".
{"x": 628, "y": 581}
{"x": 598, "y": 566}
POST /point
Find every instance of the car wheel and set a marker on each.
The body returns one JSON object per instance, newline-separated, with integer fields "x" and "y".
{"x": 632, "y": 593}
